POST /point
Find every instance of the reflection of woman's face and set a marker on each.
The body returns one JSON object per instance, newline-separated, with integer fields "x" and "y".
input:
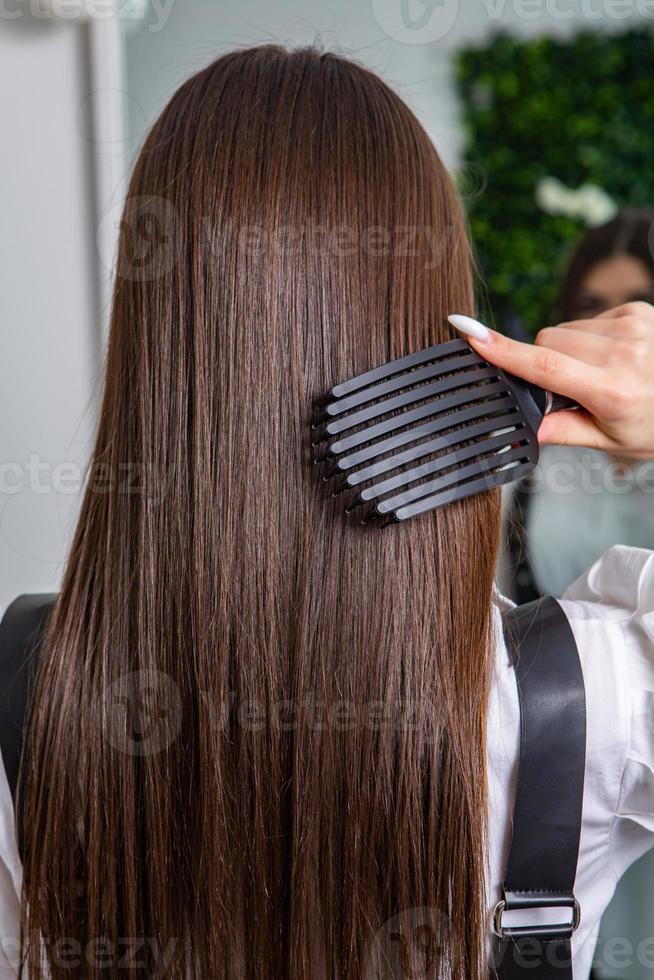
{"x": 612, "y": 282}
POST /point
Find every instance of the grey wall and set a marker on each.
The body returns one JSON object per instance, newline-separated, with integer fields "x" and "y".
{"x": 49, "y": 350}
{"x": 170, "y": 45}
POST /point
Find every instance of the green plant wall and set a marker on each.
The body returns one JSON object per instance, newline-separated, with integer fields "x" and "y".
{"x": 580, "y": 110}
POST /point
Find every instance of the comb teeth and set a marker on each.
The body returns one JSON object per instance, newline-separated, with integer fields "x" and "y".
{"x": 423, "y": 431}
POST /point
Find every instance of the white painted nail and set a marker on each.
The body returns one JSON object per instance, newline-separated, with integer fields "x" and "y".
{"x": 468, "y": 326}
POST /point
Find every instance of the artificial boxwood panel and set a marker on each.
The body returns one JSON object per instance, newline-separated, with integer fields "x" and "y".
{"x": 580, "y": 110}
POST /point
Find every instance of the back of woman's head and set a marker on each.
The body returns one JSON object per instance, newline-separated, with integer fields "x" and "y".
{"x": 265, "y": 722}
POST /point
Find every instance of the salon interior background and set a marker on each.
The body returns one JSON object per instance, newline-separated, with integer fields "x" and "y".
{"x": 82, "y": 80}
{"x": 80, "y": 90}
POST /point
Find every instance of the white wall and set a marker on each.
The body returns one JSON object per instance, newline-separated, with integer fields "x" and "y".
{"x": 179, "y": 36}
{"x": 197, "y": 30}
{"x": 49, "y": 349}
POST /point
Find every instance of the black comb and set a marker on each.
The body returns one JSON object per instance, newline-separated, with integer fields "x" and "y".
{"x": 425, "y": 430}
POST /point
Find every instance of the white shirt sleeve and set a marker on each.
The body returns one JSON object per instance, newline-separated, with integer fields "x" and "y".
{"x": 10, "y": 885}
{"x": 622, "y": 581}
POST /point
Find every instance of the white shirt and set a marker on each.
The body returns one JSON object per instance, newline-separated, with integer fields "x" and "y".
{"x": 611, "y": 611}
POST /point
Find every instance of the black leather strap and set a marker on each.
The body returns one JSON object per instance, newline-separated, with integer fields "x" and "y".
{"x": 547, "y": 813}
{"x": 21, "y": 631}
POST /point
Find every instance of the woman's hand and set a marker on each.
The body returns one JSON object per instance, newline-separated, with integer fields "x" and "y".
{"x": 606, "y": 364}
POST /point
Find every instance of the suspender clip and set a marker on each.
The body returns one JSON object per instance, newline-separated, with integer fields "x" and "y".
{"x": 561, "y": 930}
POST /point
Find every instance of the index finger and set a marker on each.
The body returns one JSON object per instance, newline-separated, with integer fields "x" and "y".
{"x": 548, "y": 368}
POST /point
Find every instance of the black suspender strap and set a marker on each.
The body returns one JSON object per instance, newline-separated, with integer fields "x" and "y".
{"x": 547, "y": 813}
{"x": 21, "y": 631}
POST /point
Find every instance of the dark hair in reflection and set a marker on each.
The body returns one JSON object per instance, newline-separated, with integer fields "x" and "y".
{"x": 631, "y": 233}
{"x": 264, "y": 834}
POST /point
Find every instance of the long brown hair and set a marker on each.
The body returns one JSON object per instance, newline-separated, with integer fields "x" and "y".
{"x": 257, "y": 743}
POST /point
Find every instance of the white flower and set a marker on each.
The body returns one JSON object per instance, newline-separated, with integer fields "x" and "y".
{"x": 597, "y": 206}
{"x": 589, "y": 203}
{"x": 551, "y": 195}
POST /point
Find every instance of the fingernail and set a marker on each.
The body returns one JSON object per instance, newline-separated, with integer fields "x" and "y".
{"x": 470, "y": 327}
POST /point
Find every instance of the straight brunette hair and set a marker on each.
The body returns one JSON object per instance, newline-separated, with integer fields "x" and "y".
{"x": 257, "y": 739}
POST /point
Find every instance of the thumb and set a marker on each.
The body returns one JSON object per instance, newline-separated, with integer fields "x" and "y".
{"x": 572, "y": 428}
